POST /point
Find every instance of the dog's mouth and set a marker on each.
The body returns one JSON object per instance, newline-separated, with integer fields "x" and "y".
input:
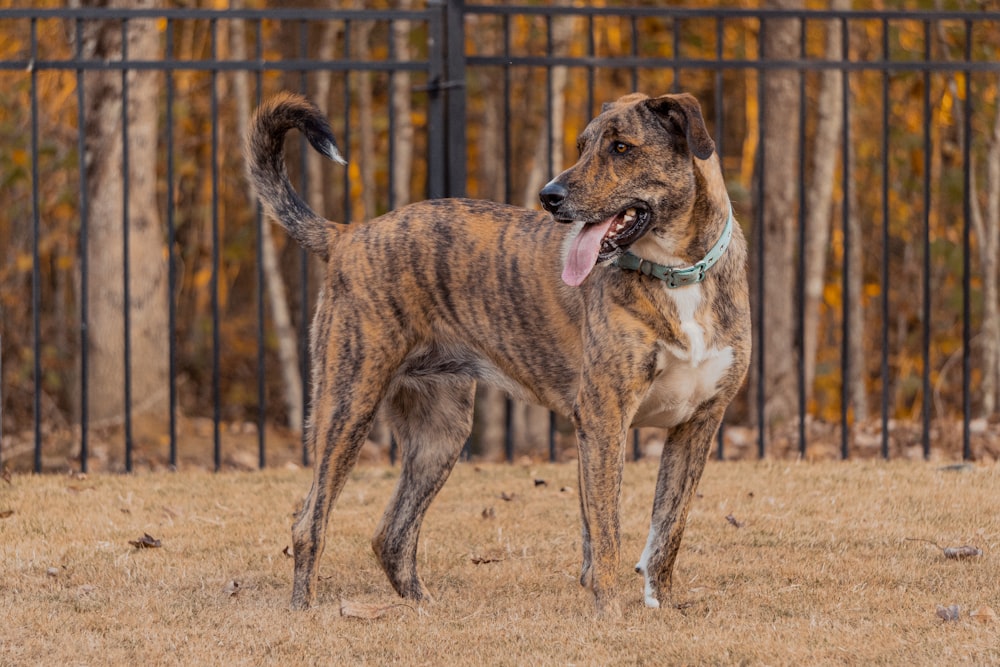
{"x": 603, "y": 241}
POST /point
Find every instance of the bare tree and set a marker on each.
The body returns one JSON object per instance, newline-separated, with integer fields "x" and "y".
{"x": 531, "y": 422}
{"x": 288, "y": 355}
{"x": 402, "y": 110}
{"x": 986, "y": 225}
{"x": 105, "y": 152}
{"x": 366, "y": 125}
{"x": 819, "y": 195}
{"x": 779, "y": 168}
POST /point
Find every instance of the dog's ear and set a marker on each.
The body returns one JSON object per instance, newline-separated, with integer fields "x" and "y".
{"x": 682, "y": 112}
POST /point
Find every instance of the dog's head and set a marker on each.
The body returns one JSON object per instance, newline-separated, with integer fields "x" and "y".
{"x": 636, "y": 174}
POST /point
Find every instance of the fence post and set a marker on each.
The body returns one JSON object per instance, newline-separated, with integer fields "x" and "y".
{"x": 436, "y": 120}
{"x": 455, "y": 90}
{"x": 446, "y": 101}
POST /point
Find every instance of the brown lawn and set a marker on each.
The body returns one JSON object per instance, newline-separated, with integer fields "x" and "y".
{"x": 814, "y": 568}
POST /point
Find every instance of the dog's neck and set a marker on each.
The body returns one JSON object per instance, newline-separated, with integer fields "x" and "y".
{"x": 681, "y": 276}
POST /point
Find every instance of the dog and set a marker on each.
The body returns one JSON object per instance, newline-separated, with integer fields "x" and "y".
{"x": 623, "y": 304}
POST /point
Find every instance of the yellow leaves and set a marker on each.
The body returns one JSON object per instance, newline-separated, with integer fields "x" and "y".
{"x": 24, "y": 262}
{"x": 831, "y": 295}
{"x": 19, "y": 157}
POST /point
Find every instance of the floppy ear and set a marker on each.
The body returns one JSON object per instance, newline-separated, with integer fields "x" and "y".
{"x": 683, "y": 112}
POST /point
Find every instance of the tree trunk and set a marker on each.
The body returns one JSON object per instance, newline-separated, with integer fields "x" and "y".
{"x": 819, "y": 196}
{"x": 490, "y": 182}
{"x": 402, "y": 165}
{"x": 148, "y": 288}
{"x": 366, "y": 126}
{"x": 778, "y": 217}
{"x": 987, "y": 229}
{"x": 531, "y": 422}
{"x": 856, "y": 391}
{"x": 274, "y": 283}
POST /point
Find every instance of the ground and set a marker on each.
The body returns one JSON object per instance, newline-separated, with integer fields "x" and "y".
{"x": 782, "y": 563}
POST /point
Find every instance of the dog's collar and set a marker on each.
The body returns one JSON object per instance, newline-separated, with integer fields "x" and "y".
{"x": 680, "y": 277}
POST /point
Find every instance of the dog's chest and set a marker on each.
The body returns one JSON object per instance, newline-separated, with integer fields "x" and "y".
{"x": 687, "y": 371}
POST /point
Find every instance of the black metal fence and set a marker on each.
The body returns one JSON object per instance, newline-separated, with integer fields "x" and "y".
{"x": 470, "y": 63}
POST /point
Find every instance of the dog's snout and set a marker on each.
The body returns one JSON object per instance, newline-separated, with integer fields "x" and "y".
{"x": 553, "y": 195}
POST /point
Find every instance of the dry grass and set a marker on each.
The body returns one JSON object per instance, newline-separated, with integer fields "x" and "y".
{"x": 819, "y": 572}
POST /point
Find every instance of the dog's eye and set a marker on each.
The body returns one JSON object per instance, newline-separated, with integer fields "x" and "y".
{"x": 619, "y": 147}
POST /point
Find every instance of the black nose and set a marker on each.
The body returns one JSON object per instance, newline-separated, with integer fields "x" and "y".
{"x": 553, "y": 195}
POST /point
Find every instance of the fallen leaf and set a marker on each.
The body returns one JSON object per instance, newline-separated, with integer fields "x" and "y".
{"x": 949, "y": 613}
{"x": 731, "y": 519}
{"x": 287, "y": 552}
{"x": 984, "y": 614}
{"x": 482, "y": 560}
{"x": 232, "y": 589}
{"x": 147, "y": 541}
{"x": 6, "y": 513}
{"x": 506, "y": 496}
{"x": 541, "y": 482}
{"x": 957, "y": 553}
{"x": 489, "y": 513}
{"x": 367, "y": 610}
{"x": 962, "y": 552}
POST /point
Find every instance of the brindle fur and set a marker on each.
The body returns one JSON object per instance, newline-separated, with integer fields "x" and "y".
{"x": 419, "y": 304}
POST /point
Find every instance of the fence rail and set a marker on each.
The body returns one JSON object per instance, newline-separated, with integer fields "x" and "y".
{"x": 906, "y": 160}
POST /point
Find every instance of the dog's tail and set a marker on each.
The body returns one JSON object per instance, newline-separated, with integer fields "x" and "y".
{"x": 265, "y": 160}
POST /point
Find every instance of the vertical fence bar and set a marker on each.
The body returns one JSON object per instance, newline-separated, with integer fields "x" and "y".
{"x": 393, "y": 82}
{"x": 508, "y": 415}
{"x": 216, "y": 241}
{"x": 304, "y": 376}
{"x": 590, "y": 68}
{"x": 634, "y": 51}
{"x": 759, "y": 237}
{"x": 436, "y": 168}
{"x": 171, "y": 252}
{"x": 719, "y": 116}
{"x": 126, "y": 260}
{"x": 553, "y": 455}
{"x": 455, "y": 91}
{"x": 884, "y": 371}
{"x": 36, "y": 272}
{"x": 81, "y": 147}
{"x": 636, "y": 449}
{"x": 261, "y": 286}
{"x": 553, "y": 170}
{"x": 966, "y": 247}
{"x": 925, "y": 407}
{"x": 800, "y": 290}
{"x": 675, "y": 85}
{"x": 845, "y": 353}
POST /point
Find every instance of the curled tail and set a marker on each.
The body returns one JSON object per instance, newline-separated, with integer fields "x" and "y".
{"x": 265, "y": 159}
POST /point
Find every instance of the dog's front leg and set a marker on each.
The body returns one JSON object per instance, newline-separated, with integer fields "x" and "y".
{"x": 602, "y": 414}
{"x": 681, "y": 465}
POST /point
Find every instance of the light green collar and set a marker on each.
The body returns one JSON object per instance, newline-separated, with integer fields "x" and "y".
{"x": 681, "y": 277}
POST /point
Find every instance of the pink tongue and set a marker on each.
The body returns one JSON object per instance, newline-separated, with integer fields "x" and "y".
{"x": 583, "y": 251}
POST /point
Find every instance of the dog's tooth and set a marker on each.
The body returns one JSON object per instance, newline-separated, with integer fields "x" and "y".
{"x": 630, "y": 213}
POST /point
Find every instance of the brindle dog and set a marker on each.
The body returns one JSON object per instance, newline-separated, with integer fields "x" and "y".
{"x": 649, "y": 325}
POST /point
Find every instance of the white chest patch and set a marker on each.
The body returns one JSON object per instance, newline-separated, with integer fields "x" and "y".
{"x": 688, "y": 371}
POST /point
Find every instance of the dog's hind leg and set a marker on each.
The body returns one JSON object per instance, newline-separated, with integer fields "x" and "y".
{"x": 352, "y": 373}
{"x": 681, "y": 465}
{"x": 431, "y": 420}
